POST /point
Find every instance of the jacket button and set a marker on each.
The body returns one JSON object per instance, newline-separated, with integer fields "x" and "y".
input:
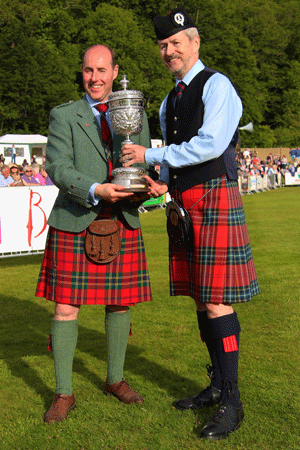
{"x": 175, "y": 131}
{"x": 175, "y": 118}
{"x": 174, "y": 177}
{"x": 79, "y": 178}
{"x": 72, "y": 186}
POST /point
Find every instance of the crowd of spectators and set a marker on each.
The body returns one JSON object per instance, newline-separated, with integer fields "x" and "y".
{"x": 249, "y": 163}
{"x": 23, "y": 175}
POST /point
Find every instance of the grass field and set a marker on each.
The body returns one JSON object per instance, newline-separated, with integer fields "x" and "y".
{"x": 165, "y": 358}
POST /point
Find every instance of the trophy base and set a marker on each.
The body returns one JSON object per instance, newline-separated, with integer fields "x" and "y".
{"x": 131, "y": 178}
{"x": 136, "y": 189}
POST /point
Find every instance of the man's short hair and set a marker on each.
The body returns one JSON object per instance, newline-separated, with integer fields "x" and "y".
{"x": 113, "y": 55}
{"x": 4, "y": 167}
{"x": 191, "y": 33}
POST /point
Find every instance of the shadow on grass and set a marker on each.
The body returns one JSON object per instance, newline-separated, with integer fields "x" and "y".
{"x": 24, "y": 330}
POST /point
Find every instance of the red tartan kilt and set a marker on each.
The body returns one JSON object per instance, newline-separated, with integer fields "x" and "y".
{"x": 220, "y": 267}
{"x": 68, "y": 277}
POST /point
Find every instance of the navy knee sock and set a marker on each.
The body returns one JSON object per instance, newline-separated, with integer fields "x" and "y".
{"x": 203, "y": 323}
{"x": 224, "y": 334}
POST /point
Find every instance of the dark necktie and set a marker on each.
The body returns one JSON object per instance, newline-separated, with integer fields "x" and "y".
{"x": 106, "y": 134}
{"x": 179, "y": 90}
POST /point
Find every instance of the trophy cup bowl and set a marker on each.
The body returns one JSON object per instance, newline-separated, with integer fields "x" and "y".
{"x": 126, "y": 110}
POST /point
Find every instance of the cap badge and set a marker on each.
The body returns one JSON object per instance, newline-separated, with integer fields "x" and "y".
{"x": 179, "y": 19}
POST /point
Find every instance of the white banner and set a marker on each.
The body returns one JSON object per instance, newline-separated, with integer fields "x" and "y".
{"x": 292, "y": 180}
{"x": 23, "y": 218}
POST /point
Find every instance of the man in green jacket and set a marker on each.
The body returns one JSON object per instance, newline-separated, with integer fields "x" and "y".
{"x": 81, "y": 153}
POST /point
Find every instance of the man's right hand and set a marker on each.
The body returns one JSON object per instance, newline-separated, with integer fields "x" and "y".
{"x": 111, "y": 192}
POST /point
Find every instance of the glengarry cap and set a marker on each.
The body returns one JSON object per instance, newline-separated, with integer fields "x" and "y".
{"x": 177, "y": 20}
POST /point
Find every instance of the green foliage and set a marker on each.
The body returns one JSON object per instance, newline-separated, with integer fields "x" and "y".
{"x": 255, "y": 43}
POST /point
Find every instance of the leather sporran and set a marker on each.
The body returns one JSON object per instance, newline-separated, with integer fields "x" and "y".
{"x": 102, "y": 241}
{"x": 179, "y": 225}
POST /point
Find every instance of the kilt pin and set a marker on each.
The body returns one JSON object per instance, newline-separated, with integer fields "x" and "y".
{"x": 219, "y": 268}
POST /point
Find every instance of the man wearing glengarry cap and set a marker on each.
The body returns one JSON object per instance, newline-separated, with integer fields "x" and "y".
{"x": 199, "y": 121}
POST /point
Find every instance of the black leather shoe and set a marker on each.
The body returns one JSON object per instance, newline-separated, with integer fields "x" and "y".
{"x": 226, "y": 420}
{"x": 208, "y": 397}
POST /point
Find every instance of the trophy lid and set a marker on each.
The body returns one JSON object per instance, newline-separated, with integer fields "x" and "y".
{"x": 125, "y": 93}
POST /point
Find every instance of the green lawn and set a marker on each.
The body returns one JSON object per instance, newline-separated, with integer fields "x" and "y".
{"x": 165, "y": 358}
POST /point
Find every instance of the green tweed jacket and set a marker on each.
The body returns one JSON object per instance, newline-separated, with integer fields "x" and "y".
{"x": 75, "y": 159}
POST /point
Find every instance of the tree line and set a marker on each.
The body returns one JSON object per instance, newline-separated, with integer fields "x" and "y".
{"x": 254, "y": 42}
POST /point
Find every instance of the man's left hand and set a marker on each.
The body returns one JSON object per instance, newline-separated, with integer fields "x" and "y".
{"x": 132, "y": 154}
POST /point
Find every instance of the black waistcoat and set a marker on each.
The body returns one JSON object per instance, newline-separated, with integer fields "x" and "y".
{"x": 184, "y": 125}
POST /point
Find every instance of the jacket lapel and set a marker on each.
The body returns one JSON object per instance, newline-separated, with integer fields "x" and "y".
{"x": 87, "y": 121}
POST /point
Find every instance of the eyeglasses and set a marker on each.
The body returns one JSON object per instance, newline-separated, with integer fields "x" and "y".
{"x": 28, "y": 171}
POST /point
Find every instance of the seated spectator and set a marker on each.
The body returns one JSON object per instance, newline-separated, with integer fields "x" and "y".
{"x": 246, "y": 153}
{"x": 2, "y": 159}
{"x": 255, "y": 159}
{"x": 36, "y": 173}
{"x": 28, "y": 178}
{"x": 259, "y": 170}
{"x": 15, "y": 174}
{"x": 44, "y": 174}
{"x": 248, "y": 160}
{"x": 284, "y": 162}
{"x": 292, "y": 169}
{"x": 5, "y": 177}
{"x": 251, "y": 170}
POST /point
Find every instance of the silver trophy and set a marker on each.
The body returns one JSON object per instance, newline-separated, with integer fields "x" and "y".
{"x": 126, "y": 115}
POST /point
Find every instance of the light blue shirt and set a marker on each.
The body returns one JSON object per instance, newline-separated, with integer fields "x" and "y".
{"x": 222, "y": 112}
{"x": 6, "y": 181}
{"x": 97, "y": 114}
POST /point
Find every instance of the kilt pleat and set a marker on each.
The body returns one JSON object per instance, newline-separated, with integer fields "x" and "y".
{"x": 220, "y": 267}
{"x": 66, "y": 276}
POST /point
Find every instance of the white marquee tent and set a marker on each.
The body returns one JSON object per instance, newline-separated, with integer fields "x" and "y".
{"x": 25, "y": 146}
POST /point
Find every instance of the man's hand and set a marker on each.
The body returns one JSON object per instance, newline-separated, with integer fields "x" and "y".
{"x": 157, "y": 188}
{"x": 112, "y": 193}
{"x": 132, "y": 154}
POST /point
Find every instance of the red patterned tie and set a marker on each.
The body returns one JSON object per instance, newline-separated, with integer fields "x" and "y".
{"x": 179, "y": 90}
{"x": 106, "y": 135}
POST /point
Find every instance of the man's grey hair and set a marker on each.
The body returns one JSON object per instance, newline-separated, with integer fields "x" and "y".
{"x": 4, "y": 167}
{"x": 35, "y": 167}
{"x": 191, "y": 33}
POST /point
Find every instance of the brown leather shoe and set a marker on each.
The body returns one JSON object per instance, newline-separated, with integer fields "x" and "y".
{"x": 123, "y": 392}
{"x": 60, "y": 408}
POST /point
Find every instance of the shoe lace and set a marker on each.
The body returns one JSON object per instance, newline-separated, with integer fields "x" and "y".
{"x": 218, "y": 416}
{"x": 56, "y": 403}
{"x": 210, "y": 371}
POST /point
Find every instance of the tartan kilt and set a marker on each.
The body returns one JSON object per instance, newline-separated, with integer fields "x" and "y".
{"x": 219, "y": 267}
{"x": 66, "y": 275}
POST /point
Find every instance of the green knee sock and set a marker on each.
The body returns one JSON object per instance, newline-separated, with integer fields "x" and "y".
{"x": 117, "y": 326}
{"x": 64, "y": 339}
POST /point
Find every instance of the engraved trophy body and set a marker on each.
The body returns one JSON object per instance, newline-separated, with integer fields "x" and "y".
{"x": 126, "y": 110}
